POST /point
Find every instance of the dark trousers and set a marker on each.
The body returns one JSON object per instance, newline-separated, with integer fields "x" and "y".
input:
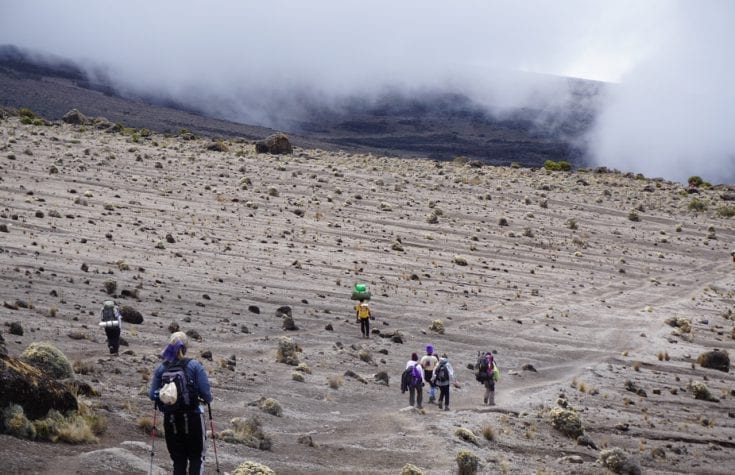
{"x": 444, "y": 395}
{"x": 365, "y": 326}
{"x": 113, "y": 339}
{"x": 416, "y": 395}
{"x": 185, "y": 440}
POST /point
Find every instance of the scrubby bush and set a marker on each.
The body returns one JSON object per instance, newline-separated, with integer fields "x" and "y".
{"x": 303, "y": 368}
{"x": 617, "y": 461}
{"x": 726, "y": 211}
{"x": 246, "y": 431}
{"x": 488, "y": 433}
{"x": 566, "y": 421}
{"x": 298, "y": 377}
{"x": 701, "y": 391}
{"x": 14, "y": 422}
{"x": 634, "y": 216}
{"x": 437, "y": 326}
{"x": 271, "y": 406}
{"x": 49, "y": 359}
{"x": 697, "y": 205}
{"x": 467, "y": 462}
{"x": 559, "y": 166}
{"x": 253, "y": 468}
{"x": 466, "y": 435}
{"x": 410, "y": 469}
{"x": 695, "y": 180}
{"x": 287, "y": 350}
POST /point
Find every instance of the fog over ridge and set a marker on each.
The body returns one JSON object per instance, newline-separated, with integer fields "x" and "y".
{"x": 669, "y": 112}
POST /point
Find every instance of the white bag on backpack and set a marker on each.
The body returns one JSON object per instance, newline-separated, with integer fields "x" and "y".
{"x": 168, "y": 393}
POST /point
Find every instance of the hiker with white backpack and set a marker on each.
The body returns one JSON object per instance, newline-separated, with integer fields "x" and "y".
{"x": 111, "y": 321}
{"x": 178, "y": 385}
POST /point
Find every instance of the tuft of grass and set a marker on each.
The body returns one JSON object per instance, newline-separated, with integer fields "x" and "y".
{"x": 560, "y": 166}
{"x": 636, "y": 365}
{"x": 335, "y": 381}
{"x": 726, "y": 211}
{"x": 488, "y": 433}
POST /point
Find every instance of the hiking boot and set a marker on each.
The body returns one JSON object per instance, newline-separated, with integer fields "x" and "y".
{"x": 484, "y": 400}
{"x": 440, "y": 405}
{"x": 432, "y": 399}
{"x": 446, "y": 408}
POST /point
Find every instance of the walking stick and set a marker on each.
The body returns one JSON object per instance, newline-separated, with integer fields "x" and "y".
{"x": 153, "y": 437}
{"x": 214, "y": 437}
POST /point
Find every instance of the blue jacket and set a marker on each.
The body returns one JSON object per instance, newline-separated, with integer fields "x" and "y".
{"x": 194, "y": 373}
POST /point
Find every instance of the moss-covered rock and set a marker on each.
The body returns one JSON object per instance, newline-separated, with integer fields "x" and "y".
{"x": 33, "y": 389}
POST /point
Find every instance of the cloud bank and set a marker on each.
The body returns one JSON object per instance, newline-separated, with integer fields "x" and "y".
{"x": 667, "y": 114}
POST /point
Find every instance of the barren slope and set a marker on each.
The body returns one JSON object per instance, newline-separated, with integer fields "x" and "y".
{"x": 586, "y": 307}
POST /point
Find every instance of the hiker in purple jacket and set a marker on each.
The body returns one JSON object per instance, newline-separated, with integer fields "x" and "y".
{"x": 415, "y": 392}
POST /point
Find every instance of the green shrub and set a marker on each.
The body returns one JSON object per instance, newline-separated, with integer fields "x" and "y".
{"x": 697, "y": 205}
{"x": 726, "y": 211}
{"x": 695, "y": 180}
{"x": 49, "y": 359}
{"x": 560, "y": 166}
{"x": 26, "y": 112}
{"x": 14, "y": 422}
{"x": 26, "y": 120}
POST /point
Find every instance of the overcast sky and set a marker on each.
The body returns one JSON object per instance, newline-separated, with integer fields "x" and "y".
{"x": 671, "y": 113}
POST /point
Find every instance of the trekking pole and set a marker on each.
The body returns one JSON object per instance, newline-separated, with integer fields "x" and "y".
{"x": 214, "y": 443}
{"x": 153, "y": 437}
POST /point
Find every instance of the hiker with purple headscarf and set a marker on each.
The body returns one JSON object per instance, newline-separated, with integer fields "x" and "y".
{"x": 428, "y": 363}
{"x": 184, "y": 427}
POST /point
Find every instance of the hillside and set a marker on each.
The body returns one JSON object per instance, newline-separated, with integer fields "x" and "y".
{"x": 439, "y": 124}
{"x": 573, "y": 295}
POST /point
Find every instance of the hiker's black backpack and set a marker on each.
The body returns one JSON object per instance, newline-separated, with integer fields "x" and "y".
{"x": 108, "y": 314}
{"x": 186, "y": 400}
{"x": 442, "y": 374}
{"x": 483, "y": 367}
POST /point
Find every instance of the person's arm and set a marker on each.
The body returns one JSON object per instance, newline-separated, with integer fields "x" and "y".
{"x": 202, "y": 382}
{"x": 119, "y": 317}
{"x": 155, "y": 384}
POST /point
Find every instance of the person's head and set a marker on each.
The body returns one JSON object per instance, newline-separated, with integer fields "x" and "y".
{"x": 429, "y": 349}
{"x": 362, "y": 300}
{"x": 108, "y": 303}
{"x": 444, "y": 357}
{"x": 414, "y": 356}
{"x": 176, "y": 348}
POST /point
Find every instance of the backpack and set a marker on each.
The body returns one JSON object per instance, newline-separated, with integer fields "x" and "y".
{"x": 442, "y": 374}
{"x": 417, "y": 376}
{"x": 484, "y": 367}
{"x": 108, "y": 313}
{"x": 176, "y": 393}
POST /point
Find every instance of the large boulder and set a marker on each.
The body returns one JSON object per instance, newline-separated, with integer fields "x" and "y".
{"x": 75, "y": 117}
{"x": 130, "y": 315}
{"x": 716, "y": 359}
{"x": 276, "y": 144}
{"x": 33, "y": 389}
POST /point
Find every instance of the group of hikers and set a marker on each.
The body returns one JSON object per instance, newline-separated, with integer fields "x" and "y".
{"x": 180, "y": 386}
{"x": 438, "y": 373}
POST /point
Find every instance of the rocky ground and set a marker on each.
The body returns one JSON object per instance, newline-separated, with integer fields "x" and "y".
{"x": 573, "y": 294}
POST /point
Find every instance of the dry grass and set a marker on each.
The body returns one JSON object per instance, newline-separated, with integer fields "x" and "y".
{"x": 335, "y": 381}
{"x": 488, "y": 433}
{"x": 83, "y": 367}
